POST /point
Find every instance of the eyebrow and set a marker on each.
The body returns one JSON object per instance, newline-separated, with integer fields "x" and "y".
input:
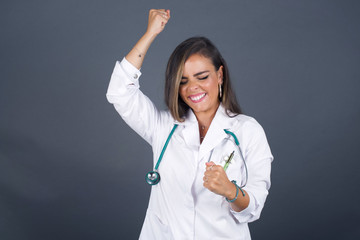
{"x": 196, "y": 74}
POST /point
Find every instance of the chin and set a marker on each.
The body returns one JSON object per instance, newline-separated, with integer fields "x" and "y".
{"x": 199, "y": 109}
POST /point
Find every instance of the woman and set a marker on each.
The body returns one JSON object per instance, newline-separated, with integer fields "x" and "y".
{"x": 197, "y": 196}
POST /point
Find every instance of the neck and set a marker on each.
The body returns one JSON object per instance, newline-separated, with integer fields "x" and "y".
{"x": 205, "y": 118}
{"x": 204, "y": 121}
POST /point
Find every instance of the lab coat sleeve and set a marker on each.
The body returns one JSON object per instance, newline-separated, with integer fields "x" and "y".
{"x": 134, "y": 107}
{"x": 258, "y": 159}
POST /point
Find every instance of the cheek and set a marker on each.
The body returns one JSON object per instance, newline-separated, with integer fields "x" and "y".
{"x": 212, "y": 87}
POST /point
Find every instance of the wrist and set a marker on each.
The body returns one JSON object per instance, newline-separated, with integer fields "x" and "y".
{"x": 231, "y": 193}
{"x": 150, "y": 35}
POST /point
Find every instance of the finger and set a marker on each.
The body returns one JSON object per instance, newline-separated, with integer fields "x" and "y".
{"x": 163, "y": 23}
{"x": 164, "y": 13}
{"x": 160, "y": 17}
{"x": 210, "y": 165}
{"x": 153, "y": 11}
{"x": 161, "y": 11}
{"x": 167, "y": 14}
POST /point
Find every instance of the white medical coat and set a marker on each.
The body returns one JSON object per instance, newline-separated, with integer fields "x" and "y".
{"x": 179, "y": 206}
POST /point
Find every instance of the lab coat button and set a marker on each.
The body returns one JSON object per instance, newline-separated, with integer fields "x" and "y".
{"x": 136, "y": 76}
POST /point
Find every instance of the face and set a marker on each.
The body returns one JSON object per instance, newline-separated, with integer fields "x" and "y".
{"x": 199, "y": 87}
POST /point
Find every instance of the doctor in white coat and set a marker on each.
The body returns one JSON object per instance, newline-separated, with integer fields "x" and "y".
{"x": 197, "y": 197}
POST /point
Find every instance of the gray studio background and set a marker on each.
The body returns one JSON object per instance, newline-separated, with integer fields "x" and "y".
{"x": 71, "y": 169}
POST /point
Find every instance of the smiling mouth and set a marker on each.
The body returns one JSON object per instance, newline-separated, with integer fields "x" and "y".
{"x": 197, "y": 98}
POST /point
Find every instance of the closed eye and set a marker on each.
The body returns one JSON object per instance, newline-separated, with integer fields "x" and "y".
{"x": 203, "y": 78}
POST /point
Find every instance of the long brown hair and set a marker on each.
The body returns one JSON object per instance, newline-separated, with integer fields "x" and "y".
{"x": 174, "y": 72}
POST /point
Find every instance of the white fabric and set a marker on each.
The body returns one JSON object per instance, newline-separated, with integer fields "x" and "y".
{"x": 180, "y": 207}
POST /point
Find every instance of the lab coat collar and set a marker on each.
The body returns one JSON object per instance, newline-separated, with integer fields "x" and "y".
{"x": 214, "y": 135}
{"x": 191, "y": 118}
{"x": 190, "y": 129}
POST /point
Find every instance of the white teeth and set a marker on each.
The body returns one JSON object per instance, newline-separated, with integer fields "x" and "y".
{"x": 197, "y": 98}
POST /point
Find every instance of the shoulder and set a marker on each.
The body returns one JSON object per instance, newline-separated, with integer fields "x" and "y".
{"x": 250, "y": 134}
{"x": 242, "y": 121}
{"x": 237, "y": 123}
{"x": 247, "y": 128}
{"x": 165, "y": 119}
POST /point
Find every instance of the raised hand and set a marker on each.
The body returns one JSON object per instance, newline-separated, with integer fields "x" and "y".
{"x": 158, "y": 18}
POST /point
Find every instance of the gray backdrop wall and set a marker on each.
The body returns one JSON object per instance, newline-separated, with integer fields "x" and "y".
{"x": 71, "y": 169}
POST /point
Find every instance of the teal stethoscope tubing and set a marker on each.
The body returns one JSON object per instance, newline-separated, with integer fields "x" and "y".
{"x": 153, "y": 177}
{"x": 237, "y": 143}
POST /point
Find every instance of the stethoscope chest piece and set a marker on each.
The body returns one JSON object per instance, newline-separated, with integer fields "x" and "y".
{"x": 152, "y": 177}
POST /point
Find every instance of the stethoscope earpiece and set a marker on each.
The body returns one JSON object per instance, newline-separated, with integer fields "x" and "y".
{"x": 152, "y": 177}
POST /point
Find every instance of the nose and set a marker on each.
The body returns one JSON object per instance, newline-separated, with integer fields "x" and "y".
{"x": 193, "y": 85}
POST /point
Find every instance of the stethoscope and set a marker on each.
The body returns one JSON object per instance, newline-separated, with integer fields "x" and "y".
{"x": 153, "y": 177}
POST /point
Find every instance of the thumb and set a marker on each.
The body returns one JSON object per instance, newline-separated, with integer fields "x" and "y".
{"x": 209, "y": 163}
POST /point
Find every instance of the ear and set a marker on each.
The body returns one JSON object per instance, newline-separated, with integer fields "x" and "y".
{"x": 220, "y": 74}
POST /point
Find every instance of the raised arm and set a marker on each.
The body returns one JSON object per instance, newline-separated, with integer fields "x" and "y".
{"x": 123, "y": 92}
{"x": 156, "y": 24}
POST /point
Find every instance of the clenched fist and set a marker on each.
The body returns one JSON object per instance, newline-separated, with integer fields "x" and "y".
{"x": 158, "y": 18}
{"x": 216, "y": 180}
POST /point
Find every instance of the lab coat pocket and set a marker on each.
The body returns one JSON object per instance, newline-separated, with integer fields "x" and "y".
{"x": 236, "y": 169}
{"x": 155, "y": 228}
